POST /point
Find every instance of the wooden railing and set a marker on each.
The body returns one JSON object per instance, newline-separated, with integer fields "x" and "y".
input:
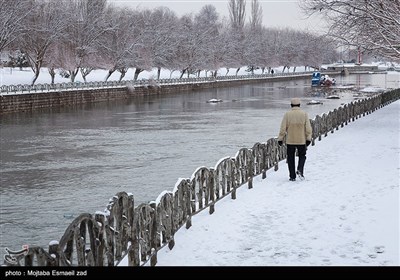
{"x": 105, "y": 238}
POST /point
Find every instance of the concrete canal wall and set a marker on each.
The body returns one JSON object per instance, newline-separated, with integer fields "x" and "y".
{"x": 29, "y": 101}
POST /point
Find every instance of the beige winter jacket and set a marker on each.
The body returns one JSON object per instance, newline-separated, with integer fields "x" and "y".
{"x": 296, "y": 126}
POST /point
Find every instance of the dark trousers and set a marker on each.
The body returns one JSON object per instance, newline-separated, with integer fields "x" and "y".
{"x": 291, "y": 153}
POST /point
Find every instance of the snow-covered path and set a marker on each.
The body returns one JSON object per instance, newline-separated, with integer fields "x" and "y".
{"x": 346, "y": 212}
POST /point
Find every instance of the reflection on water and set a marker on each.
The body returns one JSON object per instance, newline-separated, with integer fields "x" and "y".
{"x": 59, "y": 163}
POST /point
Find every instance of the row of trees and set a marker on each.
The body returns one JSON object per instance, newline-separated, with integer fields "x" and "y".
{"x": 371, "y": 25}
{"x": 82, "y": 35}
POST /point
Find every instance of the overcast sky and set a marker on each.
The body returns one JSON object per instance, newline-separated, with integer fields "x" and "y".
{"x": 277, "y": 13}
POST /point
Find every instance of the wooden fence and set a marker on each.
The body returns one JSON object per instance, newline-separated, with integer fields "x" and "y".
{"x": 105, "y": 238}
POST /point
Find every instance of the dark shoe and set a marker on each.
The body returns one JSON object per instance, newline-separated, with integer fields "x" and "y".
{"x": 301, "y": 176}
{"x": 292, "y": 179}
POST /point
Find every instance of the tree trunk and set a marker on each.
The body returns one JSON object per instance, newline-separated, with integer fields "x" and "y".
{"x": 263, "y": 70}
{"x": 237, "y": 71}
{"x": 158, "y": 73}
{"x": 182, "y": 73}
{"x": 123, "y": 72}
{"x": 36, "y": 71}
{"x": 110, "y": 72}
{"x": 73, "y": 74}
{"x": 36, "y": 75}
{"x": 85, "y": 72}
{"x": 35, "y": 64}
{"x": 294, "y": 69}
{"x": 52, "y": 73}
{"x": 137, "y": 72}
{"x": 227, "y": 71}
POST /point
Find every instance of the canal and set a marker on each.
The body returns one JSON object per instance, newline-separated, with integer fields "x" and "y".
{"x": 59, "y": 163}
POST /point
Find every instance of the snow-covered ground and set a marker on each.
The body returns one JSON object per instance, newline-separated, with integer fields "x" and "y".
{"x": 15, "y": 76}
{"x": 345, "y": 213}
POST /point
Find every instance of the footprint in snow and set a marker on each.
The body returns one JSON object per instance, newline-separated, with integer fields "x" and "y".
{"x": 379, "y": 249}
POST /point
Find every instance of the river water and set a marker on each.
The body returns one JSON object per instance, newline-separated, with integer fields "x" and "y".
{"x": 59, "y": 163}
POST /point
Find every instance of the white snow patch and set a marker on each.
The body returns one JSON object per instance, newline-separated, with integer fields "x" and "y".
{"x": 346, "y": 211}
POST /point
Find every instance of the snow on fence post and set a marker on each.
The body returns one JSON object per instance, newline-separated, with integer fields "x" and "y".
{"x": 53, "y": 252}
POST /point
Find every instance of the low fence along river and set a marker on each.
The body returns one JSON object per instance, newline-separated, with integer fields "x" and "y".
{"x": 54, "y": 165}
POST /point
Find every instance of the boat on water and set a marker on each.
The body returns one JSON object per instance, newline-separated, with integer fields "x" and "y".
{"x": 322, "y": 80}
{"x": 314, "y": 102}
{"x": 333, "y": 96}
{"x": 214, "y": 100}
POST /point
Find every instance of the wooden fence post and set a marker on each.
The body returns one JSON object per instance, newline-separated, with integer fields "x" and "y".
{"x": 53, "y": 251}
{"x": 250, "y": 182}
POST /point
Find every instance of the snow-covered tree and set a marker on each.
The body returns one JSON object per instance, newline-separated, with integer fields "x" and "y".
{"x": 161, "y": 37}
{"x": 117, "y": 46}
{"x": 52, "y": 60}
{"x": 207, "y": 28}
{"x": 236, "y": 44}
{"x": 12, "y": 16}
{"x": 42, "y": 27}
{"x": 141, "y": 58}
{"x": 373, "y": 25}
{"x": 186, "y": 56}
{"x": 86, "y": 25}
{"x": 272, "y": 45}
{"x": 253, "y": 47}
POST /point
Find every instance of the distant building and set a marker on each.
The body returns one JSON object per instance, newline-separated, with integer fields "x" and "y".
{"x": 353, "y": 68}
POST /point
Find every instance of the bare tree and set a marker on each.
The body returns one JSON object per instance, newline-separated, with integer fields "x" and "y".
{"x": 273, "y": 45}
{"x": 253, "y": 47}
{"x": 159, "y": 37}
{"x": 86, "y": 25}
{"x": 237, "y": 13}
{"x": 42, "y": 27}
{"x": 373, "y": 25}
{"x": 52, "y": 60}
{"x": 194, "y": 36}
{"x": 117, "y": 45}
{"x": 141, "y": 57}
{"x": 207, "y": 27}
{"x": 256, "y": 15}
{"x": 12, "y": 16}
{"x": 185, "y": 55}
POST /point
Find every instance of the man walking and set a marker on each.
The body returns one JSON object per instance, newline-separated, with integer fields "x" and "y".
{"x": 296, "y": 127}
